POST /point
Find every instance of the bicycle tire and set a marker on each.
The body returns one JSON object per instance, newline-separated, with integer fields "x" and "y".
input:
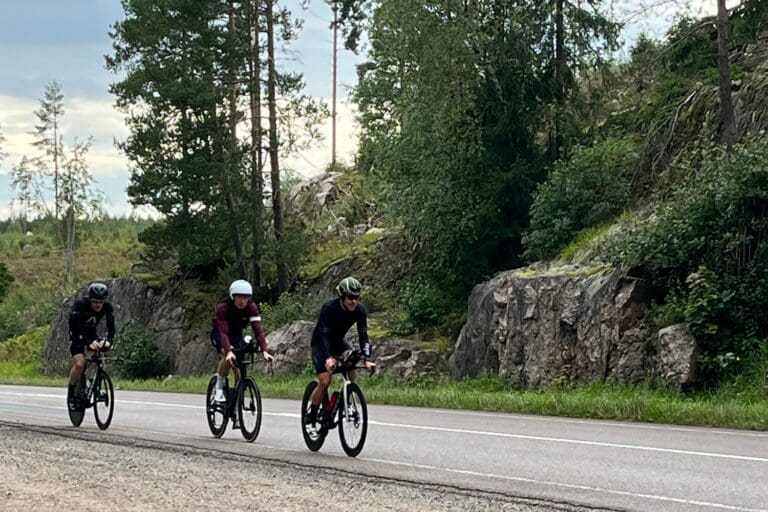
{"x": 353, "y": 421}
{"x": 76, "y": 416}
{"x": 104, "y": 383}
{"x": 215, "y": 413}
{"x": 313, "y": 440}
{"x": 249, "y": 409}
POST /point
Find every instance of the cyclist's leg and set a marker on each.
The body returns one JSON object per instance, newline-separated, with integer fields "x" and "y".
{"x": 222, "y": 368}
{"x": 77, "y": 350}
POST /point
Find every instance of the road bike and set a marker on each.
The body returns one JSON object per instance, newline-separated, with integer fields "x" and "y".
{"x": 94, "y": 389}
{"x": 243, "y": 405}
{"x": 346, "y": 409}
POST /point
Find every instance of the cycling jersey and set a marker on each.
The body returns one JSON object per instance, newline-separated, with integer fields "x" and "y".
{"x": 229, "y": 322}
{"x": 83, "y": 321}
{"x": 332, "y": 326}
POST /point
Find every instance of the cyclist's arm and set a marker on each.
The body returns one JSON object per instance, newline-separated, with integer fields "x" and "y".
{"x": 362, "y": 333}
{"x": 254, "y": 316}
{"x": 223, "y": 327}
{"x": 324, "y": 329}
{"x": 75, "y": 326}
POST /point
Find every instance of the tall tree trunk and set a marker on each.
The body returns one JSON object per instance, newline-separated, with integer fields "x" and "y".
{"x": 277, "y": 206}
{"x": 257, "y": 179}
{"x": 560, "y": 70}
{"x": 230, "y": 168}
{"x": 724, "y": 68}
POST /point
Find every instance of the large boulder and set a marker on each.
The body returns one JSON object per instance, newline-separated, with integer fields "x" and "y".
{"x": 290, "y": 346}
{"x": 537, "y": 326}
{"x": 678, "y": 355}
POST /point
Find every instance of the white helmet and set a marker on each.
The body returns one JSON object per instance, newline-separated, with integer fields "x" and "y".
{"x": 240, "y": 287}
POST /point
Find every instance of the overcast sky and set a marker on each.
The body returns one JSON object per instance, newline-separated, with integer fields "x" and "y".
{"x": 44, "y": 40}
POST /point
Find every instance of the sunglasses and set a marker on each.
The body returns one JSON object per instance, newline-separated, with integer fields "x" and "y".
{"x": 353, "y": 297}
{"x": 97, "y": 301}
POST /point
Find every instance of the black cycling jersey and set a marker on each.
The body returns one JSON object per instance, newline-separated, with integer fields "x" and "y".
{"x": 83, "y": 321}
{"x": 333, "y": 324}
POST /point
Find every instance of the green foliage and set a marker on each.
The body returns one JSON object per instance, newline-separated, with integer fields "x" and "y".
{"x": 137, "y": 354}
{"x": 25, "y": 349}
{"x": 589, "y": 188}
{"x": 5, "y": 280}
{"x": 423, "y": 304}
{"x": 292, "y": 306}
{"x": 710, "y": 240}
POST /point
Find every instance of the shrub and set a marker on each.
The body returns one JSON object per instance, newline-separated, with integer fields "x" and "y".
{"x": 137, "y": 355}
{"x": 5, "y": 280}
{"x": 709, "y": 241}
{"x": 589, "y": 188}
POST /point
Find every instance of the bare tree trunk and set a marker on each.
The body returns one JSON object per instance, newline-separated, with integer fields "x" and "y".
{"x": 560, "y": 70}
{"x": 70, "y": 245}
{"x": 724, "y": 67}
{"x": 277, "y": 206}
{"x": 257, "y": 179}
{"x": 231, "y": 160}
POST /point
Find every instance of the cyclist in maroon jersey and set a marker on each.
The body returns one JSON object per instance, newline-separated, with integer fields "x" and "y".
{"x": 232, "y": 316}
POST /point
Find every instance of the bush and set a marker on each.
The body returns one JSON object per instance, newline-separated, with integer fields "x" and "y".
{"x": 709, "y": 242}
{"x": 137, "y": 355}
{"x": 589, "y": 188}
{"x": 293, "y": 306}
{"x": 5, "y": 280}
{"x": 26, "y": 349}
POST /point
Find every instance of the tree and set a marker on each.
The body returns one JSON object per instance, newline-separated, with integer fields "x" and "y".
{"x": 724, "y": 71}
{"x": 274, "y": 162}
{"x": 29, "y": 186}
{"x": 452, "y": 107}
{"x": 3, "y": 155}
{"x": 174, "y": 94}
{"x": 49, "y": 140}
{"x": 256, "y": 153}
{"x": 78, "y": 199}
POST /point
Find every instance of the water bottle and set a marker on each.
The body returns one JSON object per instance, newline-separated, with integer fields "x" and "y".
{"x": 332, "y": 401}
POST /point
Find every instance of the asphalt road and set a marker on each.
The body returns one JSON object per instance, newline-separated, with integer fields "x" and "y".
{"x": 599, "y": 464}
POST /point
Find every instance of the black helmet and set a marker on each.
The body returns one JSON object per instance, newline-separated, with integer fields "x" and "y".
{"x": 98, "y": 291}
{"x": 349, "y": 286}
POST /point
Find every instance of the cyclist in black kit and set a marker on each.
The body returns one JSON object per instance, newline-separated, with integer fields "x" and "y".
{"x": 85, "y": 317}
{"x": 336, "y": 317}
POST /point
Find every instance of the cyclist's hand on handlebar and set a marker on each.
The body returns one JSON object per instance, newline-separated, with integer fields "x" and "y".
{"x": 95, "y": 346}
{"x": 230, "y": 356}
{"x": 370, "y": 366}
{"x": 267, "y": 357}
{"x": 330, "y": 363}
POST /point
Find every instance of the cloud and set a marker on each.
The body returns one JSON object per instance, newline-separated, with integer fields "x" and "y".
{"x": 98, "y": 118}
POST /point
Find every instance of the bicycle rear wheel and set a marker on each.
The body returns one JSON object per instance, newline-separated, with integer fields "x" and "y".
{"x": 353, "y": 421}
{"x": 314, "y": 434}
{"x": 249, "y": 410}
{"x": 215, "y": 412}
{"x": 76, "y": 416}
{"x": 103, "y": 400}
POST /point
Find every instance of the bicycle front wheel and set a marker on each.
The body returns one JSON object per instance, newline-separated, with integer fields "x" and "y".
{"x": 215, "y": 412}
{"x": 249, "y": 410}
{"x": 353, "y": 421}
{"x": 313, "y": 433}
{"x": 76, "y": 415}
{"x": 103, "y": 400}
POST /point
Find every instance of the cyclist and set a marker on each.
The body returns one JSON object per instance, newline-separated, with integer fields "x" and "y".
{"x": 336, "y": 317}
{"x": 86, "y": 314}
{"x": 232, "y": 316}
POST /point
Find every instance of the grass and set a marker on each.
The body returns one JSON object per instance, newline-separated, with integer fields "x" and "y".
{"x": 726, "y": 408}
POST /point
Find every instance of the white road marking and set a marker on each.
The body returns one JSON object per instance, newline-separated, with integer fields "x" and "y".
{"x": 568, "y": 486}
{"x": 443, "y": 469}
{"x": 472, "y": 432}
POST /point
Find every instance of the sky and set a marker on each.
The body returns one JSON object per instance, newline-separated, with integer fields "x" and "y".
{"x": 66, "y": 41}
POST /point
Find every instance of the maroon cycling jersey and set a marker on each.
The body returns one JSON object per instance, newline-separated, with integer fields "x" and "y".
{"x": 229, "y": 322}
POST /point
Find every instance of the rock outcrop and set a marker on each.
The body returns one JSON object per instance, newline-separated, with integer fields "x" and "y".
{"x": 537, "y": 327}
